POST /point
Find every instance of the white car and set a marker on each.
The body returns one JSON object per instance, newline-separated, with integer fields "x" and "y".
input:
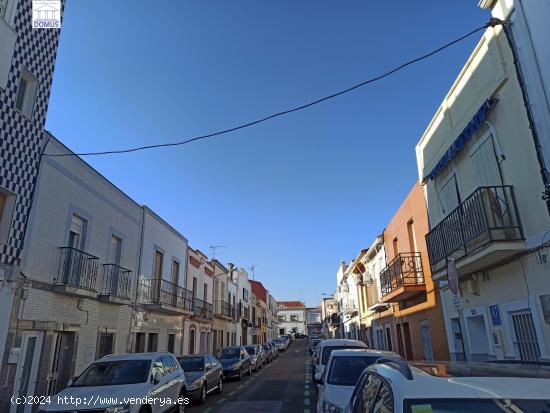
{"x": 108, "y": 384}
{"x": 451, "y": 387}
{"x": 323, "y": 350}
{"x": 341, "y": 374}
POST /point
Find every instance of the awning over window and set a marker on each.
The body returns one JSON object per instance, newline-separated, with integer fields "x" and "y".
{"x": 461, "y": 140}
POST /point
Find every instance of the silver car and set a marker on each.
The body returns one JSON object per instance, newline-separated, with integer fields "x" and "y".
{"x": 255, "y": 352}
{"x": 203, "y": 374}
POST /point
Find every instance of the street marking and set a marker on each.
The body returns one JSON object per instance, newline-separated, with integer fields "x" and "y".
{"x": 231, "y": 394}
{"x": 221, "y": 401}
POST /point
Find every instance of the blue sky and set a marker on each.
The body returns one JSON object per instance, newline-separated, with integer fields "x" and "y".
{"x": 293, "y": 196}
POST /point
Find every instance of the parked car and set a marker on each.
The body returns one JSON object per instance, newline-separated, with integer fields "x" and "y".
{"x": 124, "y": 376}
{"x": 280, "y": 344}
{"x": 256, "y": 357}
{"x": 313, "y": 343}
{"x": 203, "y": 374}
{"x": 344, "y": 367}
{"x": 323, "y": 350}
{"x": 270, "y": 350}
{"x": 452, "y": 387}
{"x": 275, "y": 349}
{"x": 300, "y": 336}
{"x": 235, "y": 361}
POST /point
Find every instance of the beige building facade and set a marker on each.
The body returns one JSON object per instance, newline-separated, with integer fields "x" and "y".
{"x": 481, "y": 173}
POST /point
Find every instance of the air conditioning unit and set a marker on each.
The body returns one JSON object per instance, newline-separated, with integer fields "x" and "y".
{"x": 486, "y": 4}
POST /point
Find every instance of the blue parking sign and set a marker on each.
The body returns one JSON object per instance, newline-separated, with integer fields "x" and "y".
{"x": 495, "y": 315}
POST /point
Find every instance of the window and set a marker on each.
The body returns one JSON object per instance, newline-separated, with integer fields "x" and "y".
{"x": 7, "y": 10}
{"x": 175, "y": 272}
{"x": 159, "y": 368}
{"x": 171, "y": 342}
{"x": 205, "y": 292}
{"x": 448, "y": 195}
{"x": 7, "y": 205}
{"x": 105, "y": 344}
{"x": 159, "y": 258}
{"x": 293, "y": 317}
{"x": 194, "y": 287}
{"x": 375, "y": 396}
{"x": 412, "y": 236}
{"x": 115, "y": 250}
{"x": 245, "y": 294}
{"x": 395, "y": 247}
{"x": 140, "y": 342}
{"x": 26, "y": 94}
{"x": 152, "y": 344}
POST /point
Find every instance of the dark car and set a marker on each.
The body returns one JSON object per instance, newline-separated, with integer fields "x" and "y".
{"x": 313, "y": 344}
{"x": 235, "y": 361}
{"x": 203, "y": 375}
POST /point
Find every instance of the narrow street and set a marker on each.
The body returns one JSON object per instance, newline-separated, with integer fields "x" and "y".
{"x": 282, "y": 386}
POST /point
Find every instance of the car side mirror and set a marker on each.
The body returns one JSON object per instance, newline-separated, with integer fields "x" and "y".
{"x": 208, "y": 367}
{"x": 319, "y": 377}
{"x": 71, "y": 381}
{"x": 155, "y": 377}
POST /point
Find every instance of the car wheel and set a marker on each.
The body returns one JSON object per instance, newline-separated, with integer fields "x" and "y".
{"x": 202, "y": 399}
{"x": 220, "y": 385}
{"x": 181, "y": 406}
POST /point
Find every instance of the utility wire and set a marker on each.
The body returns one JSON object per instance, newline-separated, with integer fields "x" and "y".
{"x": 491, "y": 23}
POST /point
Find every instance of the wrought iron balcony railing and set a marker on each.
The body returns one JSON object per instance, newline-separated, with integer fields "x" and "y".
{"x": 202, "y": 309}
{"x": 488, "y": 215}
{"x": 158, "y": 291}
{"x": 117, "y": 281}
{"x": 403, "y": 270}
{"x": 77, "y": 269}
{"x": 224, "y": 309}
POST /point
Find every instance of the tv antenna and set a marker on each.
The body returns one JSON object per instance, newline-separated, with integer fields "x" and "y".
{"x": 252, "y": 268}
{"x": 214, "y": 248}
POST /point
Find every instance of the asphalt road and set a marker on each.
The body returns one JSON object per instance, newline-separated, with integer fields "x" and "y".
{"x": 283, "y": 386}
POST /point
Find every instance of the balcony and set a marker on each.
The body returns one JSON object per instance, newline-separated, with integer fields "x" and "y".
{"x": 224, "y": 310}
{"x": 164, "y": 297}
{"x": 484, "y": 229}
{"x": 202, "y": 309}
{"x": 402, "y": 278}
{"x": 77, "y": 273}
{"x": 117, "y": 283}
{"x": 348, "y": 306}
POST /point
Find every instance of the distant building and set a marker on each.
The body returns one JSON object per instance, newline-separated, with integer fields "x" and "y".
{"x": 314, "y": 324}
{"x": 225, "y": 315}
{"x": 291, "y": 317}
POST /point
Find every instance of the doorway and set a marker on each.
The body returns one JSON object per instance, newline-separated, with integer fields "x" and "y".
{"x": 192, "y": 341}
{"x": 477, "y": 334}
{"x": 27, "y": 369}
{"x": 62, "y": 368}
{"x": 407, "y": 338}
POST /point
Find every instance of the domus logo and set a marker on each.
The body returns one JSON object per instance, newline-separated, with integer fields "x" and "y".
{"x": 46, "y": 14}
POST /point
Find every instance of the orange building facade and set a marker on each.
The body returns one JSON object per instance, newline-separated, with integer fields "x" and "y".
{"x": 413, "y": 325}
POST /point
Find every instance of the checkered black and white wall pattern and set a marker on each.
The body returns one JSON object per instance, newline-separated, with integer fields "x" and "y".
{"x": 21, "y": 136}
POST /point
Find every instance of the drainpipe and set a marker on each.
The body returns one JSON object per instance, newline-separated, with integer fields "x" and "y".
{"x": 140, "y": 257}
{"x": 534, "y": 134}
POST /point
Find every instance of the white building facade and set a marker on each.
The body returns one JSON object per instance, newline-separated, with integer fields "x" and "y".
{"x": 162, "y": 301}
{"x": 82, "y": 252}
{"x": 291, "y": 317}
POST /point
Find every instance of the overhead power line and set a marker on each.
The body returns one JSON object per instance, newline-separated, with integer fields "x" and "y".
{"x": 491, "y": 23}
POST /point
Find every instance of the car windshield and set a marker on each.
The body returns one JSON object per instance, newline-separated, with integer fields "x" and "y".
{"x": 476, "y": 405}
{"x": 109, "y": 373}
{"x": 266, "y": 347}
{"x": 329, "y": 349}
{"x": 345, "y": 371}
{"x": 230, "y": 353}
{"x": 192, "y": 363}
{"x": 250, "y": 350}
